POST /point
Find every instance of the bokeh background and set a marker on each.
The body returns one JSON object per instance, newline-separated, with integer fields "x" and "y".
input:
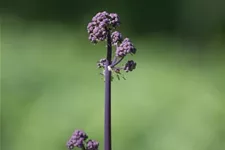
{"x": 50, "y": 86}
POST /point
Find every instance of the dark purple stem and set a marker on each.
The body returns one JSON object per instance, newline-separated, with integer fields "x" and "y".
{"x": 107, "y": 132}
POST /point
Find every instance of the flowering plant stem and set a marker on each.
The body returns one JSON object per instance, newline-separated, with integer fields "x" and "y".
{"x": 102, "y": 27}
{"x": 107, "y": 128}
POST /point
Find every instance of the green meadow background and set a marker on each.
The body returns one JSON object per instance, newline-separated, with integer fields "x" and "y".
{"x": 50, "y": 85}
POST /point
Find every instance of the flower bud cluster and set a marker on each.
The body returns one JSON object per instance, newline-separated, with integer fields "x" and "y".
{"x": 126, "y": 47}
{"x": 92, "y": 145}
{"x": 100, "y": 25}
{"x": 78, "y": 139}
{"x": 130, "y": 66}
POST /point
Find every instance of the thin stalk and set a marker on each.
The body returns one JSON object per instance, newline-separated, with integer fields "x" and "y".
{"x": 107, "y": 128}
{"x": 114, "y": 60}
{"x": 115, "y": 63}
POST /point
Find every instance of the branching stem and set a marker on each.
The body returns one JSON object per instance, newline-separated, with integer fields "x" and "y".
{"x": 116, "y": 62}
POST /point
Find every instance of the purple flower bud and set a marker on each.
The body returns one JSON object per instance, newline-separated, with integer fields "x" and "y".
{"x": 77, "y": 139}
{"x": 96, "y": 29}
{"x": 92, "y": 38}
{"x": 130, "y": 65}
{"x": 97, "y": 34}
{"x": 101, "y": 17}
{"x": 125, "y": 48}
{"x": 92, "y": 145}
{"x": 116, "y": 38}
{"x": 115, "y": 20}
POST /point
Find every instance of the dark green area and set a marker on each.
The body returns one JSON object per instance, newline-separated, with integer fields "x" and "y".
{"x": 186, "y": 18}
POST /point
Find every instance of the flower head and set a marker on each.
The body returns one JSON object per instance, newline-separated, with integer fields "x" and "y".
{"x": 130, "y": 65}
{"x": 77, "y": 139}
{"x": 92, "y": 145}
{"x": 126, "y": 47}
{"x": 101, "y": 23}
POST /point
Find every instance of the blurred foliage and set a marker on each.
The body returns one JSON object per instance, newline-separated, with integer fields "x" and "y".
{"x": 174, "y": 100}
{"x": 187, "y": 18}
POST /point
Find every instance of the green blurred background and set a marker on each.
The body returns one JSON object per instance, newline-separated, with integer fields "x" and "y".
{"x": 50, "y": 86}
